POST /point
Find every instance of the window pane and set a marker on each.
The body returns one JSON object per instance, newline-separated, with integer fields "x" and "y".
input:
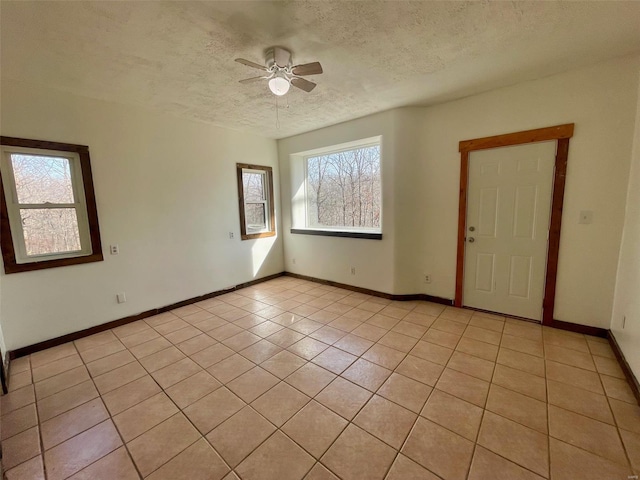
{"x": 255, "y": 217}
{"x": 50, "y": 230}
{"x": 41, "y": 179}
{"x": 253, "y": 186}
{"x": 344, "y": 189}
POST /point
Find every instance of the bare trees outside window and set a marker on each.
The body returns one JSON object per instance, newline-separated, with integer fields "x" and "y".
{"x": 47, "y": 205}
{"x": 344, "y": 189}
{"x": 50, "y": 204}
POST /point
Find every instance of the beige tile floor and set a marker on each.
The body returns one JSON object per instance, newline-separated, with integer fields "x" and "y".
{"x": 291, "y": 379}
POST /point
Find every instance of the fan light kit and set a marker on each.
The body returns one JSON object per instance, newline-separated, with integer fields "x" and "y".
{"x": 281, "y": 74}
{"x": 279, "y": 85}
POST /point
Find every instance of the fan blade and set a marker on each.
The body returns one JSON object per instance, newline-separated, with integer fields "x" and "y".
{"x": 307, "y": 69}
{"x": 249, "y": 63}
{"x": 251, "y": 80}
{"x": 282, "y": 57}
{"x": 303, "y": 84}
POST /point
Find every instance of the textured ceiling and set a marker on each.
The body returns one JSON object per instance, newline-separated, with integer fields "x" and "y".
{"x": 177, "y": 57}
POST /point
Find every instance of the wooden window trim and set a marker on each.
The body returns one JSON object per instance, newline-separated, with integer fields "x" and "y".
{"x": 6, "y": 239}
{"x": 272, "y": 215}
{"x": 561, "y": 134}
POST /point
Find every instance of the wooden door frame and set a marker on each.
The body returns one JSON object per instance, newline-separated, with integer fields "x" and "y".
{"x": 561, "y": 134}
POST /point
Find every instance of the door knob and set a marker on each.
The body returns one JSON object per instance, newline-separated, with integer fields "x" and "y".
{"x": 471, "y": 239}
{"x": 472, "y": 229}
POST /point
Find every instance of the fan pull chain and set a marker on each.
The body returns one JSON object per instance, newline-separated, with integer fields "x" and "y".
{"x": 277, "y": 115}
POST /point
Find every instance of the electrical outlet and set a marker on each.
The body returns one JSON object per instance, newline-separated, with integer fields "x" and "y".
{"x": 353, "y": 270}
{"x": 427, "y": 278}
{"x": 114, "y": 249}
{"x": 230, "y": 234}
{"x": 122, "y": 298}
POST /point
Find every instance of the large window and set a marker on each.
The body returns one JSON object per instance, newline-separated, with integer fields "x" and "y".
{"x": 343, "y": 191}
{"x": 255, "y": 189}
{"x": 49, "y": 216}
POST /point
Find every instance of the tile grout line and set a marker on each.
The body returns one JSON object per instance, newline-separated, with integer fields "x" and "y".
{"x": 484, "y": 408}
{"x": 40, "y": 430}
{"x": 582, "y": 448}
{"x": 615, "y": 420}
{"x": 399, "y": 451}
{"x": 405, "y": 355}
{"x": 499, "y": 415}
{"x": 357, "y": 358}
{"x": 246, "y": 405}
{"x": 615, "y": 425}
{"x": 107, "y": 410}
{"x": 180, "y": 412}
{"x": 546, "y": 387}
{"x": 354, "y": 416}
{"x": 404, "y": 442}
{"x": 279, "y": 429}
{"x": 114, "y": 426}
{"x": 218, "y": 362}
{"x": 35, "y": 400}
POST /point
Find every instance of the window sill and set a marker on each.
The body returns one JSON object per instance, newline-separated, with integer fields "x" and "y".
{"x": 336, "y": 233}
{"x": 11, "y": 267}
{"x": 251, "y": 236}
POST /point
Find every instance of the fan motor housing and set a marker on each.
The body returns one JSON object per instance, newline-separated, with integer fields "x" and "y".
{"x": 270, "y": 57}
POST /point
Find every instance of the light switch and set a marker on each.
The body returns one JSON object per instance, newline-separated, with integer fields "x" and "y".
{"x": 586, "y": 216}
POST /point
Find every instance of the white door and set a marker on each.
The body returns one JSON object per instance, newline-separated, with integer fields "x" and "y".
{"x": 508, "y": 211}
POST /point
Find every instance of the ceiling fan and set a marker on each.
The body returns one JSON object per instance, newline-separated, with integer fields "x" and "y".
{"x": 280, "y": 73}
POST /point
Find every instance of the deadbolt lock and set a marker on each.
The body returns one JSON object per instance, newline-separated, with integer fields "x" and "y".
{"x": 472, "y": 229}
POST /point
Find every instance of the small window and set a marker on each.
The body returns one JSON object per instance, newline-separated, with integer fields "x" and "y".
{"x": 255, "y": 188}
{"x": 49, "y": 216}
{"x": 343, "y": 190}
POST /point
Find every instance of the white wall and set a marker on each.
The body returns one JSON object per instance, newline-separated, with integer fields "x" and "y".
{"x": 423, "y": 168}
{"x": 166, "y": 193}
{"x": 409, "y": 192}
{"x": 331, "y": 257}
{"x": 601, "y": 101}
{"x": 627, "y": 296}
